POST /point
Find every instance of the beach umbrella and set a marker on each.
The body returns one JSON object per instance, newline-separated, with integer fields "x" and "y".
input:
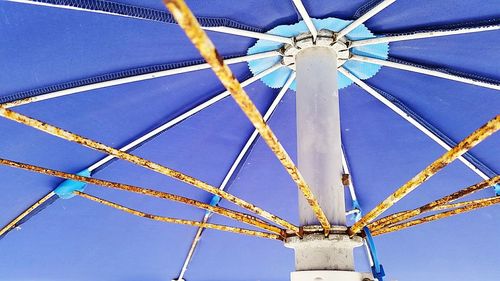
{"x": 249, "y": 140}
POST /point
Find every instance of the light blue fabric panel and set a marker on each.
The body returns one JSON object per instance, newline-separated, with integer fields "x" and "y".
{"x": 361, "y": 69}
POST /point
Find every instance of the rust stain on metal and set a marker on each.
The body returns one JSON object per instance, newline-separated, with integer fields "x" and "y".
{"x": 346, "y": 179}
{"x": 439, "y": 204}
{"x": 469, "y": 142}
{"x": 467, "y": 207}
{"x": 450, "y": 206}
{"x": 58, "y": 132}
{"x": 17, "y": 102}
{"x": 180, "y": 221}
{"x": 316, "y": 229}
{"x": 26, "y": 212}
{"x": 251, "y": 220}
{"x": 200, "y": 40}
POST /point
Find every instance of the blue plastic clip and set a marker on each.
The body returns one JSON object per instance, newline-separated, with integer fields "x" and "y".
{"x": 66, "y": 189}
{"x": 356, "y": 206}
{"x": 215, "y": 200}
{"x": 377, "y": 268}
{"x": 380, "y": 274}
{"x": 497, "y": 189}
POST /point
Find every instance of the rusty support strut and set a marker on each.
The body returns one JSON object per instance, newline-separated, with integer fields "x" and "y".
{"x": 439, "y": 204}
{"x": 180, "y": 221}
{"x": 144, "y": 191}
{"x": 58, "y": 132}
{"x": 26, "y": 212}
{"x": 469, "y": 142}
{"x": 468, "y": 206}
{"x": 200, "y": 40}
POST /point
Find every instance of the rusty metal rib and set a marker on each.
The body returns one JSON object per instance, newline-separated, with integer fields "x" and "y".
{"x": 469, "y": 142}
{"x": 58, "y": 132}
{"x": 163, "y": 195}
{"x": 26, "y": 212}
{"x": 200, "y": 40}
{"x": 451, "y": 206}
{"x": 434, "y": 205}
{"x": 180, "y": 221}
{"x": 469, "y": 206}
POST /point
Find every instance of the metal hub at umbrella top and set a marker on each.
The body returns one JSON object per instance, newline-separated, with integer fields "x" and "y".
{"x": 335, "y": 34}
{"x": 325, "y": 38}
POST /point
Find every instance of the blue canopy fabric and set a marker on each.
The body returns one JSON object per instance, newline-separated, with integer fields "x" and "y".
{"x": 45, "y": 48}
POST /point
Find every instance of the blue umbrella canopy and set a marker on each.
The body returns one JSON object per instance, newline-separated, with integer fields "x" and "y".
{"x": 109, "y": 71}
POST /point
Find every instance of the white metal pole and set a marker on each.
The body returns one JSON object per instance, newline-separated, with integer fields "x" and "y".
{"x": 318, "y": 133}
{"x": 319, "y": 151}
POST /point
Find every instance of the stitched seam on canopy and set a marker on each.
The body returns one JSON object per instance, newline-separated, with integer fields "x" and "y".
{"x": 366, "y": 7}
{"x": 100, "y": 78}
{"x": 144, "y": 13}
{"x": 446, "y": 27}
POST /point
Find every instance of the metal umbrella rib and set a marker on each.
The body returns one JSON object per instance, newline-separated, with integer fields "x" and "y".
{"x": 414, "y": 121}
{"x": 422, "y": 70}
{"x": 375, "y": 10}
{"x": 422, "y": 35}
{"x": 201, "y": 41}
{"x": 179, "y": 221}
{"x": 144, "y": 191}
{"x": 464, "y": 207}
{"x": 58, "y": 132}
{"x": 251, "y": 34}
{"x": 132, "y": 79}
{"x": 26, "y": 212}
{"x": 233, "y": 170}
{"x": 100, "y": 8}
{"x": 305, "y": 16}
{"x": 435, "y": 205}
{"x": 469, "y": 142}
{"x": 142, "y": 139}
{"x": 292, "y": 55}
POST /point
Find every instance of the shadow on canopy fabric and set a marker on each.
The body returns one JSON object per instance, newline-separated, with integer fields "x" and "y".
{"x": 47, "y": 49}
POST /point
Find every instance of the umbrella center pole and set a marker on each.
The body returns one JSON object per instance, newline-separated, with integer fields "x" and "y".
{"x": 320, "y": 160}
